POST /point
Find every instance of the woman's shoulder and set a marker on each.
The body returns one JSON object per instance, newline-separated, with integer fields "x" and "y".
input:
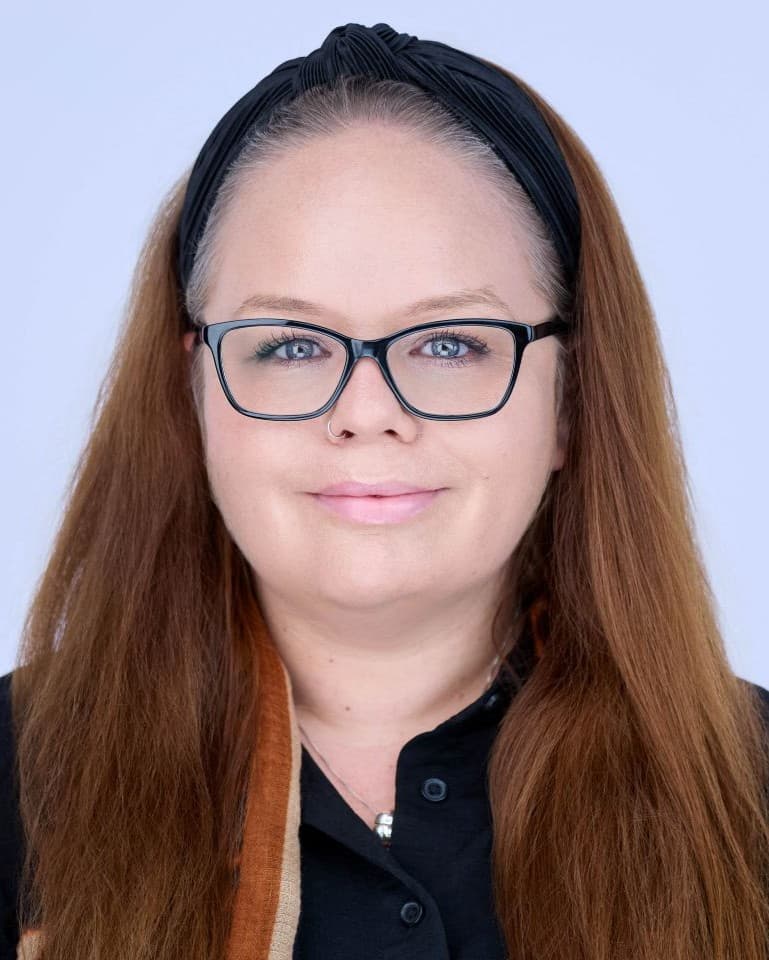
{"x": 761, "y": 690}
{"x": 5, "y": 700}
{"x": 8, "y": 777}
{"x": 8, "y": 785}
{"x": 763, "y": 694}
{"x": 11, "y": 838}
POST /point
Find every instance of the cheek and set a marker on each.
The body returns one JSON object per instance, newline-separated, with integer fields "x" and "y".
{"x": 236, "y": 452}
{"x": 253, "y": 469}
{"x": 510, "y": 464}
{"x": 510, "y": 476}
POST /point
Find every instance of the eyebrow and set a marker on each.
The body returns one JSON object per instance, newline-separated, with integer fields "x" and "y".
{"x": 446, "y": 301}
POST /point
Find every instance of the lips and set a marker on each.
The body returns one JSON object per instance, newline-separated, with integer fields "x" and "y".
{"x": 393, "y": 488}
{"x": 377, "y": 508}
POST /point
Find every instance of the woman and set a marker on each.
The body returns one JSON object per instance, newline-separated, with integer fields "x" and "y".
{"x": 346, "y": 648}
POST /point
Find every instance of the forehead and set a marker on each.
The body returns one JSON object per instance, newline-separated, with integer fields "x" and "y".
{"x": 367, "y": 222}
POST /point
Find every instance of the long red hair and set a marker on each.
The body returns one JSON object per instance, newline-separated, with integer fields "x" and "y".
{"x": 626, "y": 780}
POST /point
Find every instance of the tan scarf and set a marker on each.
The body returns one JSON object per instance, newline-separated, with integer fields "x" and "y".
{"x": 266, "y": 910}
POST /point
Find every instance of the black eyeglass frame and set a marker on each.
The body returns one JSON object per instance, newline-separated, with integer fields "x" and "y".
{"x": 524, "y": 333}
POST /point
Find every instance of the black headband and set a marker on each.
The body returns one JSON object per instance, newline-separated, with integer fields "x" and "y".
{"x": 494, "y": 105}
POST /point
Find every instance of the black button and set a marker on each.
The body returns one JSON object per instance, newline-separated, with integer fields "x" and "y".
{"x": 411, "y": 912}
{"x": 490, "y": 700}
{"x": 434, "y": 789}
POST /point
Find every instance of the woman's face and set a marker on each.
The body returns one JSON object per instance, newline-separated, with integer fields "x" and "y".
{"x": 364, "y": 224}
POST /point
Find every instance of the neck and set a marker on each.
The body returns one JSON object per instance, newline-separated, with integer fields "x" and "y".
{"x": 377, "y": 686}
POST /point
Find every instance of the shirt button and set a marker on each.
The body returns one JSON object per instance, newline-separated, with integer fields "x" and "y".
{"x": 434, "y": 789}
{"x": 411, "y": 912}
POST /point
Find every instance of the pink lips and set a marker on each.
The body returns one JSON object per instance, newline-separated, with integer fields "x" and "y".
{"x": 376, "y": 503}
{"x": 389, "y": 489}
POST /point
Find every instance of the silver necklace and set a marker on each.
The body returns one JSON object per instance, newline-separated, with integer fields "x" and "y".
{"x": 383, "y": 821}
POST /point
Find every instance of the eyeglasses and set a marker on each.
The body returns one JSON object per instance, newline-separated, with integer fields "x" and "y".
{"x": 458, "y": 369}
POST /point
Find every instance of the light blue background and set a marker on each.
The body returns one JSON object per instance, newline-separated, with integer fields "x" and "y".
{"x": 106, "y": 105}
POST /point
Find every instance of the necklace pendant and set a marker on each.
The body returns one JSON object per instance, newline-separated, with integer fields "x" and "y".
{"x": 384, "y": 827}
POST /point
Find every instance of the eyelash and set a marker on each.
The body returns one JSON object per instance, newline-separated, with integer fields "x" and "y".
{"x": 480, "y": 346}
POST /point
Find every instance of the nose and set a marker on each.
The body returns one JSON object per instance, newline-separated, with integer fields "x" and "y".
{"x": 368, "y": 378}
{"x": 368, "y": 403}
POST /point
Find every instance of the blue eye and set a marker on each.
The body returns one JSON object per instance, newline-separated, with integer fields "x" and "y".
{"x": 269, "y": 347}
{"x": 477, "y": 346}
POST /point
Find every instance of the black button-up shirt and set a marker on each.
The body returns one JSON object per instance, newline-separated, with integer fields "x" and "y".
{"x": 428, "y": 896}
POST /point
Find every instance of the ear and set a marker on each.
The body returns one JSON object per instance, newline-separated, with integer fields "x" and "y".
{"x": 188, "y": 340}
